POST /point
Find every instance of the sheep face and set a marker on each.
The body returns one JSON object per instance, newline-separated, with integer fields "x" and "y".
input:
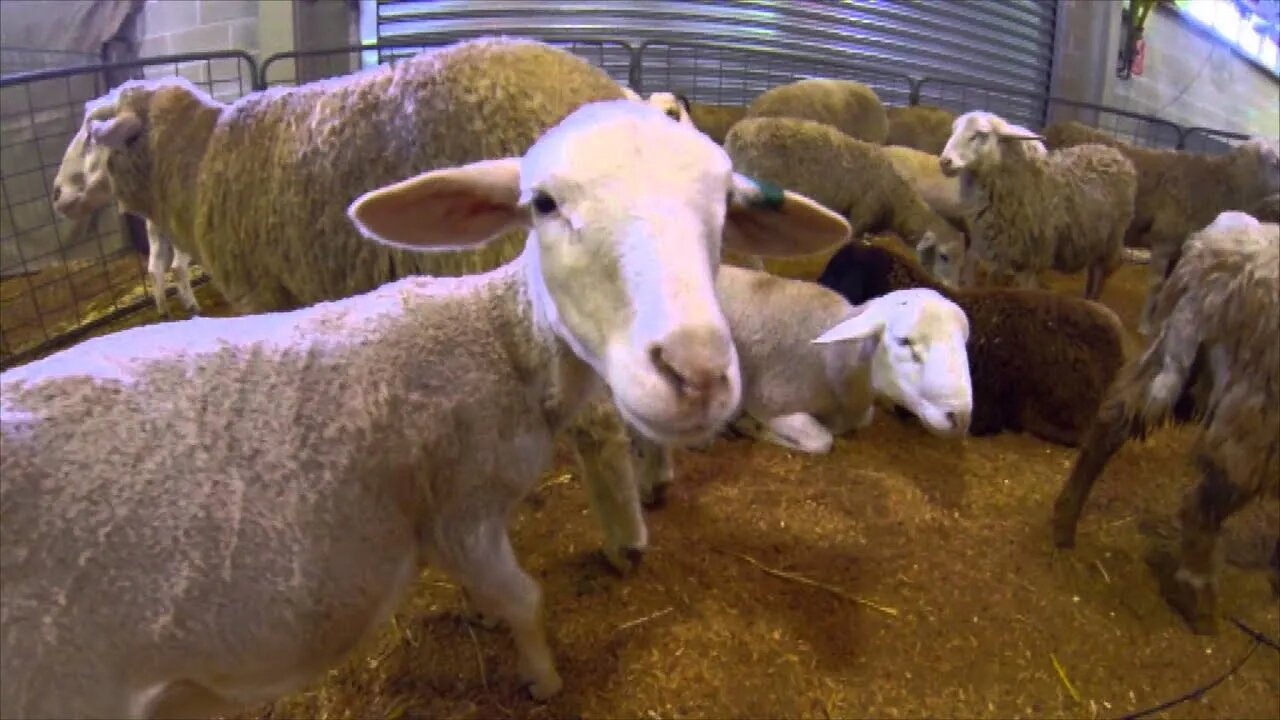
{"x": 1261, "y": 156}
{"x": 673, "y": 105}
{"x": 82, "y": 185}
{"x": 627, "y": 210}
{"x": 943, "y": 256}
{"x": 920, "y": 361}
{"x": 978, "y": 140}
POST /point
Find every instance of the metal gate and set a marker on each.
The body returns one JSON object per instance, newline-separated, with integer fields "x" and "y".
{"x": 1008, "y": 42}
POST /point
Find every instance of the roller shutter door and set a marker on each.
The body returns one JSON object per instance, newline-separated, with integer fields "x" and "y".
{"x": 1002, "y": 42}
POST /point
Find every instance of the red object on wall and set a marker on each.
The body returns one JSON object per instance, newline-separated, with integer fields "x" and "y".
{"x": 1139, "y": 56}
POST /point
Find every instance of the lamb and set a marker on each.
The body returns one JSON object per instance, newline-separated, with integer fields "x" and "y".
{"x": 1040, "y": 362}
{"x": 314, "y": 459}
{"x": 81, "y": 187}
{"x": 1214, "y": 361}
{"x": 850, "y": 107}
{"x": 1067, "y": 210}
{"x": 675, "y": 105}
{"x": 922, "y": 127}
{"x": 1181, "y": 192}
{"x": 812, "y": 364}
{"x": 256, "y": 188}
{"x": 851, "y": 177}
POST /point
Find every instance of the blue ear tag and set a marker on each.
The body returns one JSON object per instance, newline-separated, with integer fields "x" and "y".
{"x": 771, "y": 196}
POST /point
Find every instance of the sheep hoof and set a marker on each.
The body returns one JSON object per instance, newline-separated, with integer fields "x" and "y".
{"x": 655, "y": 496}
{"x": 624, "y": 560}
{"x": 1193, "y": 596}
{"x": 544, "y": 689}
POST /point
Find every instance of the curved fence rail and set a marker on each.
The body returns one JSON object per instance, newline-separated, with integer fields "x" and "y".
{"x": 60, "y": 279}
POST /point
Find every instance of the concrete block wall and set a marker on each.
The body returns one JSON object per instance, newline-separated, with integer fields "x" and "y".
{"x": 173, "y": 27}
{"x": 1190, "y": 77}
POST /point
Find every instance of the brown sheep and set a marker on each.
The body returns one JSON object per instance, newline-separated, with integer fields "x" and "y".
{"x": 1181, "y": 192}
{"x": 923, "y": 127}
{"x": 1215, "y": 361}
{"x": 1040, "y": 361}
{"x": 854, "y": 178}
{"x": 715, "y": 120}
{"x": 850, "y": 107}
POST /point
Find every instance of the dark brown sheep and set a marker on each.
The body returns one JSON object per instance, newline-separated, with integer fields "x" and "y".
{"x": 1040, "y": 362}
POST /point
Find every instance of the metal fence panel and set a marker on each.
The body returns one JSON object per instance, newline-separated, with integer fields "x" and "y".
{"x": 1018, "y": 106}
{"x": 292, "y": 68}
{"x": 59, "y": 279}
{"x": 1208, "y": 140}
{"x": 734, "y": 74}
{"x": 1131, "y": 127}
{"x": 14, "y": 59}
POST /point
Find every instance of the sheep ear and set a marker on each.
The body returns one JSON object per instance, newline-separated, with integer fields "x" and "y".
{"x": 1017, "y": 133}
{"x": 865, "y": 321}
{"x": 684, "y": 101}
{"x": 764, "y": 219}
{"x": 116, "y": 132}
{"x": 449, "y": 209}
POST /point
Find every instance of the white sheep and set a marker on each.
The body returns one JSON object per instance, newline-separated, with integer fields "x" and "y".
{"x": 1067, "y": 210}
{"x": 255, "y": 188}
{"x": 312, "y": 460}
{"x": 813, "y": 365}
{"x": 82, "y": 187}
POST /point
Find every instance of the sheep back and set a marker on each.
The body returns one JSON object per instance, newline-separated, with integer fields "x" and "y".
{"x": 923, "y": 127}
{"x": 715, "y": 120}
{"x": 283, "y": 164}
{"x": 847, "y": 176}
{"x": 1039, "y": 362}
{"x": 851, "y": 107}
{"x": 1065, "y": 211}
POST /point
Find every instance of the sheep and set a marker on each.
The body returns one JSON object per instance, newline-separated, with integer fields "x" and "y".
{"x": 1040, "y": 362}
{"x": 850, "y": 107}
{"x": 313, "y": 459}
{"x": 851, "y": 177}
{"x": 1214, "y": 361}
{"x": 255, "y": 188}
{"x": 715, "y": 120}
{"x": 922, "y": 127}
{"x": 82, "y": 175}
{"x": 1181, "y": 192}
{"x": 1267, "y": 209}
{"x": 675, "y": 105}
{"x": 1067, "y": 210}
{"x": 812, "y": 364}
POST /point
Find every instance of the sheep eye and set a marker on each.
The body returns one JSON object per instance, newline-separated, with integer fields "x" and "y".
{"x": 543, "y": 204}
{"x": 673, "y": 113}
{"x": 944, "y": 257}
{"x": 904, "y": 342}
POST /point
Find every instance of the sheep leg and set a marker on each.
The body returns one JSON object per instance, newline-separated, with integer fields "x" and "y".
{"x": 602, "y": 446}
{"x": 158, "y": 261}
{"x": 1105, "y": 436}
{"x": 486, "y": 566}
{"x": 800, "y": 432}
{"x": 654, "y": 470}
{"x": 1205, "y": 507}
{"x": 182, "y": 276}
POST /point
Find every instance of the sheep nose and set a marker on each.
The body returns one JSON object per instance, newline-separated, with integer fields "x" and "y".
{"x": 959, "y": 421}
{"x": 944, "y": 162}
{"x": 57, "y": 193}
{"x": 696, "y": 361}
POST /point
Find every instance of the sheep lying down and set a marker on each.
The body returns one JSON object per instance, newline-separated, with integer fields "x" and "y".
{"x": 204, "y": 515}
{"x": 813, "y": 365}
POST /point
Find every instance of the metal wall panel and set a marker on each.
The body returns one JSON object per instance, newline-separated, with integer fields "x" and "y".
{"x": 1003, "y": 42}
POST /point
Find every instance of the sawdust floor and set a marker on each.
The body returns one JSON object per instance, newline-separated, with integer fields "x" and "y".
{"x": 954, "y": 539}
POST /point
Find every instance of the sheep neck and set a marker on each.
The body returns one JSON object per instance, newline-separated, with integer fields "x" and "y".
{"x": 184, "y": 122}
